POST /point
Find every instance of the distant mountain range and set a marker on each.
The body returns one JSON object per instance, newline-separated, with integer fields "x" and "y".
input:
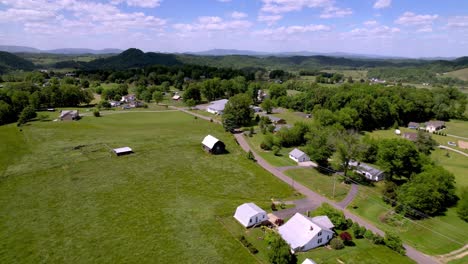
{"x": 66, "y": 51}
{"x": 9, "y": 61}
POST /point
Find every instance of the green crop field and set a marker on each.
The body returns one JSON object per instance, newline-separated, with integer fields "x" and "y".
{"x": 65, "y": 199}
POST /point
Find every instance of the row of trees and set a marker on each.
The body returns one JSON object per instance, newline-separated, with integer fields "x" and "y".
{"x": 14, "y": 97}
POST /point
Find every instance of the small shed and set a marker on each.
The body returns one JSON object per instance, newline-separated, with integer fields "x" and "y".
{"x": 213, "y": 145}
{"x": 298, "y": 156}
{"x": 249, "y": 214}
{"x": 413, "y": 125}
{"x": 122, "y": 151}
{"x": 68, "y": 115}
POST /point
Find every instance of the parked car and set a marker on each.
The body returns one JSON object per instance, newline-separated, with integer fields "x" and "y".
{"x": 451, "y": 143}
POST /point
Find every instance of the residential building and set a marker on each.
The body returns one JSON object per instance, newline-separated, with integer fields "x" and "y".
{"x": 217, "y": 107}
{"x": 304, "y": 233}
{"x": 68, "y": 115}
{"x": 367, "y": 171}
{"x": 433, "y": 126}
{"x": 413, "y": 125}
{"x": 298, "y": 156}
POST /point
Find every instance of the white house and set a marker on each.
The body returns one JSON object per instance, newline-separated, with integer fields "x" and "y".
{"x": 303, "y": 233}
{"x": 217, "y": 107}
{"x": 298, "y": 156}
{"x": 367, "y": 171}
{"x": 176, "y": 97}
{"x": 128, "y": 98}
{"x": 250, "y": 214}
{"x": 433, "y": 126}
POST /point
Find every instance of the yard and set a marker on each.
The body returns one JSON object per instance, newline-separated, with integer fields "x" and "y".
{"x": 363, "y": 252}
{"x": 65, "y": 198}
{"x": 281, "y": 160}
{"x": 320, "y": 183}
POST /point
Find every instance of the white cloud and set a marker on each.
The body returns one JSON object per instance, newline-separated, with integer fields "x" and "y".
{"x": 139, "y": 3}
{"x": 425, "y": 29}
{"x": 19, "y": 15}
{"x": 331, "y": 12}
{"x": 379, "y": 4}
{"x": 269, "y": 19}
{"x": 238, "y": 15}
{"x": 412, "y": 19}
{"x": 373, "y": 32}
{"x": 284, "y": 6}
{"x": 213, "y": 23}
{"x": 458, "y": 22}
{"x": 370, "y": 23}
{"x": 280, "y": 31}
{"x": 224, "y": 1}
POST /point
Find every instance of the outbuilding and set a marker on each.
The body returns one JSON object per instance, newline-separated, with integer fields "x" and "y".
{"x": 68, "y": 115}
{"x": 213, "y": 145}
{"x": 249, "y": 214}
{"x": 298, "y": 156}
{"x": 122, "y": 151}
{"x": 217, "y": 107}
{"x": 303, "y": 233}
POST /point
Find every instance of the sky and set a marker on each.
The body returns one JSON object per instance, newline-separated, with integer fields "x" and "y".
{"x": 410, "y": 28}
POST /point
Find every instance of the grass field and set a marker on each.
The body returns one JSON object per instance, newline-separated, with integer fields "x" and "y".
{"x": 281, "y": 160}
{"x": 457, "y": 128}
{"x": 64, "y": 198}
{"x": 320, "y": 183}
{"x": 460, "y": 74}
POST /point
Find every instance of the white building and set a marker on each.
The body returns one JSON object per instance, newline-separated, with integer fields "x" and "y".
{"x": 367, "y": 171}
{"x": 303, "y": 233}
{"x": 122, "y": 151}
{"x": 217, "y": 107}
{"x": 298, "y": 156}
{"x": 250, "y": 214}
{"x": 308, "y": 261}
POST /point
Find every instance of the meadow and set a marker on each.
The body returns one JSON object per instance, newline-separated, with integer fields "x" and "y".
{"x": 65, "y": 198}
{"x": 460, "y": 74}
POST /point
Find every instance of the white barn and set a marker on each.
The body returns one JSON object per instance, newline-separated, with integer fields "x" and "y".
{"x": 298, "y": 156}
{"x": 250, "y": 214}
{"x": 303, "y": 233}
{"x": 217, "y": 107}
{"x": 308, "y": 261}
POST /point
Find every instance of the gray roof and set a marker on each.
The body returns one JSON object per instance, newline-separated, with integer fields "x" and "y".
{"x": 435, "y": 123}
{"x": 218, "y": 105}
{"x": 64, "y": 113}
{"x": 366, "y": 167}
{"x": 296, "y": 153}
{"x": 274, "y": 118}
{"x": 413, "y": 124}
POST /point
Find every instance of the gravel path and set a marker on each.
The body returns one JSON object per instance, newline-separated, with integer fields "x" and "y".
{"x": 452, "y": 149}
{"x": 350, "y": 197}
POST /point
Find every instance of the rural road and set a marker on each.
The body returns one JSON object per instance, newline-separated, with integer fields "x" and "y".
{"x": 350, "y": 197}
{"x": 454, "y": 150}
{"x": 411, "y": 252}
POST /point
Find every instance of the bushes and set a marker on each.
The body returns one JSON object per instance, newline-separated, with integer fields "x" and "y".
{"x": 251, "y": 156}
{"x": 393, "y": 242}
{"x": 96, "y": 113}
{"x": 336, "y": 243}
{"x": 462, "y": 208}
{"x": 336, "y": 217}
{"x": 358, "y": 231}
{"x": 248, "y": 245}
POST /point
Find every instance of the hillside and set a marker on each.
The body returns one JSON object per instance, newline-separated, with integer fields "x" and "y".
{"x": 460, "y": 74}
{"x": 132, "y": 58}
{"x": 66, "y": 51}
{"x": 10, "y": 61}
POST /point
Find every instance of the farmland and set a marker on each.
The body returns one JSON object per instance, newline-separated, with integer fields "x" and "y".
{"x": 64, "y": 198}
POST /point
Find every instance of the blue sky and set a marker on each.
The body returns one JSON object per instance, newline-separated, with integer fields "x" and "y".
{"x": 416, "y": 28}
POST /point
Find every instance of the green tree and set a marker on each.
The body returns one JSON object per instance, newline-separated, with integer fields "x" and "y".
{"x": 277, "y": 90}
{"x": 394, "y": 242}
{"x": 399, "y": 158}
{"x": 267, "y": 105}
{"x": 462, "y": 208}
{"x": 425, "y": 143}
{"x": 190, "y": 103}
{"x": 279, "y": 251}
{"x": 27, "y": 114}
{"x": 348, "y": 147}
{"x": 427, "y": 193}
{"x": 192, "y": 92}
{"x": 237, "y": 112}
{"x": 319, "y": 146}
{"x": 146, "y": 96}
{"x": 336, "y": 217}
{"x": 158, "y": 96}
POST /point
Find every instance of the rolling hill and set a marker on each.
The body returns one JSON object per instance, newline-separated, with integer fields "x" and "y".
{"x": 10, "y": 61}
{"x": 66, "y": 51}
{"x": 460, "y": 74}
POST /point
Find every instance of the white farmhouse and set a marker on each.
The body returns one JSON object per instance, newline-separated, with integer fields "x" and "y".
{"x": 303, "y": 233}
{"x": 250, "y": 214}
{"x": 217, "y": 107}
{"x": 298, "y": 156}
{"x": 308, "y": 261}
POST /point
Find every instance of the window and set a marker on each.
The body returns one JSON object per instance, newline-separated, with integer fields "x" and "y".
{"x": 319, "y": 241}
{"x": 250, "y": 221}
{"x": 319, "y": 233}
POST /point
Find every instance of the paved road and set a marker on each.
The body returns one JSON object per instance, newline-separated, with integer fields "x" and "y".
{"x": 302, "y": 206}
{"x": 350, "y": 197}
{"x": 411, "y": 252}
{"x": 457, "y": 136}
{"x": 452, "y": 149}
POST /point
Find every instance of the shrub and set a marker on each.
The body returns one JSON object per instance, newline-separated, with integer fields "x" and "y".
{"x": 369, "y": 235}
{"x": 248, "y": 245}
{"x": 336, "y": 243}
{"x": 345, "y": 236}
{"x": 279, "y": 222}
{"x": 273, "y": 207}
{"x": 358, "y": 231}
{"x": 96, "y": 113}
{"x": 336, "y": 217}
{"x": 393, "y": 242}
{"x": 378, "y": 239}
{"x": 276, "y": 150}
{"x": 251, "y": 156}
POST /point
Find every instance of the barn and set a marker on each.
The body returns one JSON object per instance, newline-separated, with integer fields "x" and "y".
{"x": 213, "y": 145}
{"x": 249, "y": 214}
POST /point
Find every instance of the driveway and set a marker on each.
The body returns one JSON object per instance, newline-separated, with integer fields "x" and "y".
{"x": 302, "y": 206}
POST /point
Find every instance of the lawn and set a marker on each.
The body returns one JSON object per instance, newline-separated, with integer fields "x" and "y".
{"x": 460, "y": 74}
{"x": 455, "y": 163}
{"x": 281, "y": 160}
{"x": 457, "y": 128}
{"x": 363, "y": 252}
{"x": 320, "y": 183}
{"x": 64, "y": 198}
{"x": 434, "y": 236}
